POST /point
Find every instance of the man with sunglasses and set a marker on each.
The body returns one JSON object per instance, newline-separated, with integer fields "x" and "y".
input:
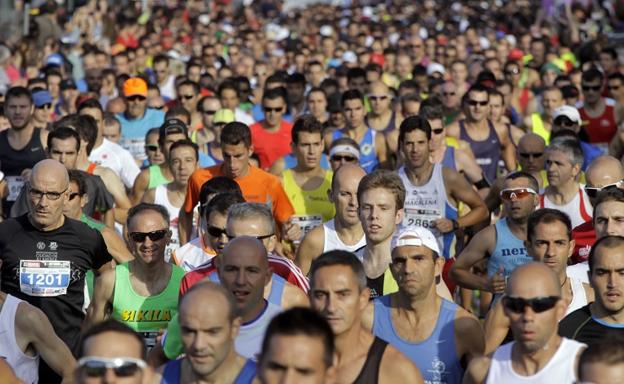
{"x": 111, "y": 352}
{"x": 381, "y": 116}
{"x": 615, "y": 84}
{"x": 343, "y": 150}
{"x": 137, "y": 118}
{"x": 42, "y": 114}
{"x": 142, "y": 293}
{"x": 188, "y": 98}
{"x": 214, "y": 119}
{"x": 604, "y": 318}
{"x": 501, "y": 244}
{"x": 534, "y": 306}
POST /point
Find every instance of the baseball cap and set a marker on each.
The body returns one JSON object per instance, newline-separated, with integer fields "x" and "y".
{"x": 569, "y": 112}
{"x": 223, "y": 115}
{"x": 41, "y": 98}
{"x": 68, "y": 84}
{"x": 135, "y": 86}
{"x": 569, "y": 91}
{"x": 171, "y": 127}
{"x": 416, "y": 236}
{"x": 435, "y": 67}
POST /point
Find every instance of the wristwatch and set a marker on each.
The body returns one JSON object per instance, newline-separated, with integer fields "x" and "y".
{"x": 455, "y": 224}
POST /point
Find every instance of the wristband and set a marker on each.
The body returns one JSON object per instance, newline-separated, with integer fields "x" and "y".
{"x": 455, "y": 224}
{"x": 481, "y": 184}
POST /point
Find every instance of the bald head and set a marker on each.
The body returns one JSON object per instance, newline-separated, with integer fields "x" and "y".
{"x": 208, "y": 294}
{"x": 531, "y": 142}
{"x": 246, "y": 245}
{"x": 347, "y": 172}
{"x": 533, "y": 280}
{"x": 378, "y": 88}
{"x": 604, "y": 170}
{"x": 50, "y": 169}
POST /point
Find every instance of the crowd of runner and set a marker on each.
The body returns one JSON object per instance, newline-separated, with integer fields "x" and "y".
{"x": 368, "y": 192}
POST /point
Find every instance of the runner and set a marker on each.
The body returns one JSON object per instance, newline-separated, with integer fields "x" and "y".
{"x": 602, "y": 363}
{"x": 541, "y": 124}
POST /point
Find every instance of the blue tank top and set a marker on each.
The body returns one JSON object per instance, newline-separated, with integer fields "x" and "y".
{"x": 449, "y": 158}
{"x": 436, "y": 357}
{"x": 277, "y": 287}
{"x": 509, "y": 252}
{"x": 173, "y": 369}
{"x": 290, "y": 161}
{"x": 487, "y": 152}
{"x": 368, "y": 154}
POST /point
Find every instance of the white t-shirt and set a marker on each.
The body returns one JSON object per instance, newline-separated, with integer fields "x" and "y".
{"x": 115, "y": 157}
{"x": 249, "y": 340}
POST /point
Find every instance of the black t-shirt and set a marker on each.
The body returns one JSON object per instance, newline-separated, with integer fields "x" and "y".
{"x": 47, "y": 269}
{"x": 581, "y": 326}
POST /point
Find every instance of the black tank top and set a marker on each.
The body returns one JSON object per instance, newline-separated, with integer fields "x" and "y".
{"x": 487, "y": 152}
{"x": 13, "y": 162}
{"x": 370, "y": 370}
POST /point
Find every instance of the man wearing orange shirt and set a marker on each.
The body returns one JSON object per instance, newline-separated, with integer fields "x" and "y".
{"x": 271, "y": 136}
{"x": 257, "y": 185}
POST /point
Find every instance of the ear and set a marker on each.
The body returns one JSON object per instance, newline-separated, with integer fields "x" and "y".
{"x": 330, "y": 195}
{"x": 439, "y": 266}
{"x": 571, "y": 250}
{"x": 398, "y": 217}
{"x": 268, "y": 276}
{"x": 251, "y": 150}
{"x": 364, "y": 298}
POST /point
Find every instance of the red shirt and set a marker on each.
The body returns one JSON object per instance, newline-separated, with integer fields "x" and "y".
{"x": 600, "y": 129}
{"x": 270, "y": 146}
{"x": 584, "y": 237}
{"x": 281, "y": 266}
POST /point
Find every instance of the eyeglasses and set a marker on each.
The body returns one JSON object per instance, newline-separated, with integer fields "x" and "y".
{"x": 588, "y": 88}
{"x": 72, "y": 196}
{"x": 152, "y": 147}
{"x": 230, "y": 237}
{"x": 474, "y": 103}
{"x": 45, "y": 106}
{"x": 594, "y": 191}
{"x": 268, "y": 109}
{"x": 377, "y": 97}
{"x": 187, "y": 97}
{"x": 348, "y": 159}
{"x": 123, "y": 367}
{"x": 563, "y": 121}
{"x": 528, "y": 155}
{"x": 438, "y": 131}
{"x": 537, "y": 304}
{"x": 139, "y": 237}
{"x": 208, "y": 112}
{"x": 136, "y": 98}
{"x": 37, "y": 194}
{"x": 512, "y": 194}
{"x": 448, "y": 93}
{"x": 216, "y": 231}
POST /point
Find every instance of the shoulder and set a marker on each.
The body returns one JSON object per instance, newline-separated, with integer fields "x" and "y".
{"x": 396, "y": 366}
{"x": 28, "y": 316}
{"x": 576, "y": 318}
{"x": 264, "y": 176}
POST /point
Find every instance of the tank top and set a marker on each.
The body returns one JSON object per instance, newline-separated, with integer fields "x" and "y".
{"x": 389, "y": 127}
{"x": 370, "y": 371}
{"x": 537, "y": 126}
{"x": 579, "y": 298}
{"x": 332, "y": 240}
{"x": 26, "y": 367}
{"x": 487, "y": 152}
{"x": 290, "y": 161}
{"x": 424, "y": 204}
{"x": 449, "y": 158}
{"x": 277, "y": 287}
{"x": 509, "y": 251}
{"x": 161, "y": 198}
{"x": 145, "y": 315}
{"x": 436, "y": 356}
{"x": 579, "y": 208}
{"x": 156, "y": 177}
{"x": 600, "y": 129}
{"x": 173, "y": 371}
{"x": 368, "y": 153}
{"x": 312, "y": 208}
{"x": 559, "y": 369}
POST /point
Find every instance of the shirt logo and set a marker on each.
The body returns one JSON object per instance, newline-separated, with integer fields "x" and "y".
{"x": 40, "y": 245}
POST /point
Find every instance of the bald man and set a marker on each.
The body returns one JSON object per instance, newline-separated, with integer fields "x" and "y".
{"x": 343, "y": 232}
{"x": 603, "y": 173}
{"x": 534, "y": 307}
{"x": 46, "y": 255}
{"x": 381, "y": 116}
{"x": 208, "y": 330}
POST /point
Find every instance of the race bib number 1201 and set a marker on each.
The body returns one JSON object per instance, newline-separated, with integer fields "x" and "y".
{"x": 44, "y": 278}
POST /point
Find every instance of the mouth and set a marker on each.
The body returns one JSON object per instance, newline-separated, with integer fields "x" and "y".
{"x": 612, "y": 295}
{"x": 240, "y": 295}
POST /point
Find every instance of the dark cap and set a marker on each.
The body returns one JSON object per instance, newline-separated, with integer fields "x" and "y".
{"x": 569, "y": 91}
{"x": 68, "y": 84}
{"x": 171, "y": 127}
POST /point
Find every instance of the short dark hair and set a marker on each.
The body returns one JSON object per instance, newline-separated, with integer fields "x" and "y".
{"x": 616, "y": 76}
{"x": 227, "y": 84}
{"x": 475, "y": 88}
{"x": 190, "y": 83}
{"x": 385, "y": 179}
{"x": 414, "y": 123}
{"x": 177, "y": 110}
{"x": 185, "y": 143}
{"x": 110, "y": 325}
{"x": 17, "y": 92}
{"x": 351, "y": 94}
{"x": 275, "y": 93}
{"x": 90, "y": 103}
{"x": 296, "y": 78}
{"x": 526, "y": 175}
{"x": 592, "y": 74}
{"x": 354, "y": 73}
{"x": 306, "y": 123}
{"x": 609, "y": 351}
{"x": 215, "y": 186}
{"x": 609, "y": 242}
{"x": 235, "y": 133}
{"x": 339, "y": 257}
{"x": 430, "y": 108}
{"x": 221, "y": 203}
{"x": 85, "y": 125}
{"x": 79, "y": 177}
{"x": 300, "y": 321}
{"x": 609, "y": 194}
{"x": 141, "y": 207}
{"x": 161, "y": 59}
{"x": 63, "y": 133}
{"x": 547, "y": 216}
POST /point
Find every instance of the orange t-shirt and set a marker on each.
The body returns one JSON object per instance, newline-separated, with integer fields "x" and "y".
{"x": 270, "y": 146}
{"x": 258, "y": 186}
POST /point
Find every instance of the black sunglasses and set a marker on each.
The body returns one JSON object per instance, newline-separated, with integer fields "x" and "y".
{"x": 348, "y": 159}
{"x": 187, "y": 97}
{"x": 216, "y": 231}
{"x": 438, "y": 131}
{"x": 595, "y": 88}
{"x": 268, "y": 109}
{"x": 139, "y": 237}
{"x": 208, "y": 112}
{"x": 45, "y": 106}
{"x": 528, "y": 155}
{"x": 474, "y": 103}
{"x": 72, "y": 196}
{"x": 537, "y": 304}
{"x": 594, "y": 191}
{"x": 136, "y": 98}
{"x": 151, "y": 147}
{"x": 159, "y": 107}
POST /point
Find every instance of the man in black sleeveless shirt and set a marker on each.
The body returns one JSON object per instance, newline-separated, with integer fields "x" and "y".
{"x": 338, "y": 291}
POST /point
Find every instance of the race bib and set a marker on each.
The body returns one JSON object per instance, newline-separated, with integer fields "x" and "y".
{"x": 150, "y": 338}
{"x": 136, "y": 147}
{"x": 15, "y": 184}
{"x": 307, "y": 222}
{"x": 424, "y": 218}
{"x": 44, "y": 278}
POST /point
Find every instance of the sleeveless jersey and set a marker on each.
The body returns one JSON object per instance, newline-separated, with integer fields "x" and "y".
{"x": 449, "y": 158}
{"x": 156, "y": 177}
{"x": 332, "y": 240}
{"x": 161, "y": 198}
{"x": 277, "y": 287}
{"x": 559, "y": 369}
{"x": 368, "y": 153}
{"x": 487, "y": 152}
{"x": 600, "y": 129}
{"x": 579, "y": 298}
{"x": 424, "y": 204}
{"x": 145, "y": 315}
{"x": 389, "y": 127}
{"x": 193, "y": 254}
{"x": 370, "y": 370}
{"x": 312, "y": 208}
{"x": 537, "y": 126}
{"x": 436, "y": 356}
{"x": 173, "y": 370}
{"x": 26, "y": 367}
{"x": 290, "y": 161}
{"x": 509, "y": 252}
{"x": 579, "y": 208}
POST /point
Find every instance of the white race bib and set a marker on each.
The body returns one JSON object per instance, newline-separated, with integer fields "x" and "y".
{"x": 15, "y": 184}
{"x": 307, "y": 222}
{"x": 44, "y": 278}
{"x": 424, "y": 218}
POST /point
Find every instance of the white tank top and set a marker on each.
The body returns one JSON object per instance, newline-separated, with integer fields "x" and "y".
{"x": 161, "y": 198}
{"x": 559, "y": 369}
{"x": 579, "y": 209}
{"x": 579, "y": 299}
{"x": 26, "y": 368}
{"x": 332, "y": 240}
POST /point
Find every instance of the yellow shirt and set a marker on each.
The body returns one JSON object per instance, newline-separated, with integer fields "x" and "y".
{"x": 309, "y": 203}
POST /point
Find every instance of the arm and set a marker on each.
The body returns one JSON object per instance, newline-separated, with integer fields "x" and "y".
{"x": 294, "y": 297}
{"x": 476, "y": 250}
{"x": 396, "y": 368}
{"x": 149, "y": 196}
{"x": 33, "y": 322}
{"x": 507, "y": 147}
{"x": 117, "y": 189}
{"x": 460, "y": 190}
{"x": 392, "y": 140}
{"x": 492, "y": 200}
{"x": 477, "y": 370}
{"x": 382, "y": 150}
{"x": 108, "y": 218}
{"x": 278, "y": 167}
{"x": 140, "y": 186}
{"x": 468, "y": 336}
{"x": 496, "y": 327}
{"x": 473, "y": 172}
{"x": 101, "y": 304}
{"x": 368, "y": 316}
{"x": 310, "y": 248}
{"x": 116, "y": 246}
{"x": 453, "y": 130}
{"x": 185, "y": 225}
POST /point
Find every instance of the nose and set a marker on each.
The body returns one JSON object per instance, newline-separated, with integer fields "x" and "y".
{"x": 240, "y": 278}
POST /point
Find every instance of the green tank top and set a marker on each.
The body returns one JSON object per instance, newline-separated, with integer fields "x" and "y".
{"x": 156, "y": 177}
{"x": 145, "y": 315}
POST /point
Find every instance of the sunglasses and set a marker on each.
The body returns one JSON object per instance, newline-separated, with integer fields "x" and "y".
{"x": 216, "y": 231}
{"x": 448, "y": 93}
{"x": 438, "y": 131}
{"x": 123, "y": 367}
{"x": 563, "y": 121}
{"x": 528, "y": 155}
{"x": 152, "y": 147}
{"x": 72, "y": 196}
{"x": 187, "y": 97}
{"x": 136, "y": 98}
{"x": 230, "y": 237}
{"x": 511, "y": 194}
{"x": 208, "y": 112}
{"x": 268, "y": 109}
{"x": 537, "y": 304}
{"x": 377, "y": 97}
{"x": 159, "y": 107}
{"x": 474, "y": 103}
{"x": 594, "y": 191}
{"x": 139, "y": 237}
{"x": 45, "y": 106}
{"x": 588, "y": 88}
{"x": 348, "y": 159}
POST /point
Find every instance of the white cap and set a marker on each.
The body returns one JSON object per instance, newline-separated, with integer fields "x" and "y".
{"x": 416, "y": 236}
{"x": 327, "y": 31}
{"x": 435, "y": 67}
{"x": 349, "y": 57}
{"x": 569, "y": 112}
